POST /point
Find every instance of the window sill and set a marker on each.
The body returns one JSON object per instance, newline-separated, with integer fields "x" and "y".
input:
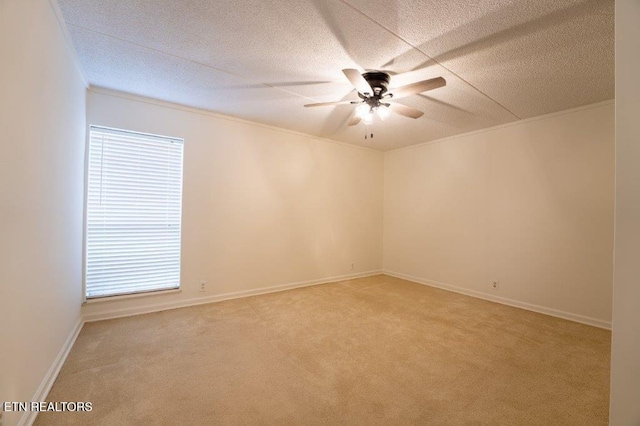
{"x": 130, "y": 296}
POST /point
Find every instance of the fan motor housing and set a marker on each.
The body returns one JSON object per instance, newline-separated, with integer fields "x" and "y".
{"x": 378, "y": 80}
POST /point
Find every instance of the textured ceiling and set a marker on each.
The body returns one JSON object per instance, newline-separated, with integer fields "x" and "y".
{"x": 262, "y": 60}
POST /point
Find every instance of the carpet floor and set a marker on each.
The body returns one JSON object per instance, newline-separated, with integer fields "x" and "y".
{"x": 376, "y": 350}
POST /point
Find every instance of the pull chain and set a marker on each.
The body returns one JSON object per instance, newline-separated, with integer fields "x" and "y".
{"x": 367, "y": 132}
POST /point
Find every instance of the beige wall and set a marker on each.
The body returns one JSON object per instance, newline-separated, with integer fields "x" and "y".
{"x": 262, "y": 206}
{"x": 625, "y": 356}
{"x": 42, "y": 113}
{"x": 528, "y": 204}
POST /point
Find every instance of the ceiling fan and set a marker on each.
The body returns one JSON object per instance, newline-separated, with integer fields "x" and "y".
{"x": 374, "y": 93}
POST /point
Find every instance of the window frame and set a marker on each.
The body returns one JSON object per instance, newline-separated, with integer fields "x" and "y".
{"x": 85, "y": 234}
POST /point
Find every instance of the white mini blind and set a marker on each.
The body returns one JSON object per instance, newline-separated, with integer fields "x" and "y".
{"x": 134, "y": 203}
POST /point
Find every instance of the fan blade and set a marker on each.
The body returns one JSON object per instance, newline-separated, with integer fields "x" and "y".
{"x": 419, "y": 87}
{"x": 354, "y": 120}
{"x": 332, "y": 103}
{"x": 405, "y": 110}
{"x": 358, "y": 81}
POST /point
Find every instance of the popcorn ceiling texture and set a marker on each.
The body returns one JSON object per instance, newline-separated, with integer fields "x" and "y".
{"x": 262, "y": 60}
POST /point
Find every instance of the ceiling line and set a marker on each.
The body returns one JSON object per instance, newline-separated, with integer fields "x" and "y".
{"x": 428, "y": 56}
{"x": 193, "y": 62}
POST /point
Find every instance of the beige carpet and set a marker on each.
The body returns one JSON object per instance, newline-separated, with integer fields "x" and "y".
{"x": 375, "y": 350}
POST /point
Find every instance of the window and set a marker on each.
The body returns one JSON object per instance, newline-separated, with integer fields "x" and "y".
{"x": 134, "y": 201}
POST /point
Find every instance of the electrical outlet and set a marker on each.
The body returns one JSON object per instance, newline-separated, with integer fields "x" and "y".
{"x": 203, "y": 286}
{"x": 353, "y": 265}
{"x": 495, "y": 285}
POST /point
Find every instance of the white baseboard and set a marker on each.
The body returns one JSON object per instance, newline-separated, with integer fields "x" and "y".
{"x": 47, "y": 382}
{"x": 505, "y": 301}
{"x": 126, "y": 312}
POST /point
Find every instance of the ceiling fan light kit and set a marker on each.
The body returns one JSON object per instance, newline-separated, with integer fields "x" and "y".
{"x": 383, "y": 112}
{"x": 373, "y": 90}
